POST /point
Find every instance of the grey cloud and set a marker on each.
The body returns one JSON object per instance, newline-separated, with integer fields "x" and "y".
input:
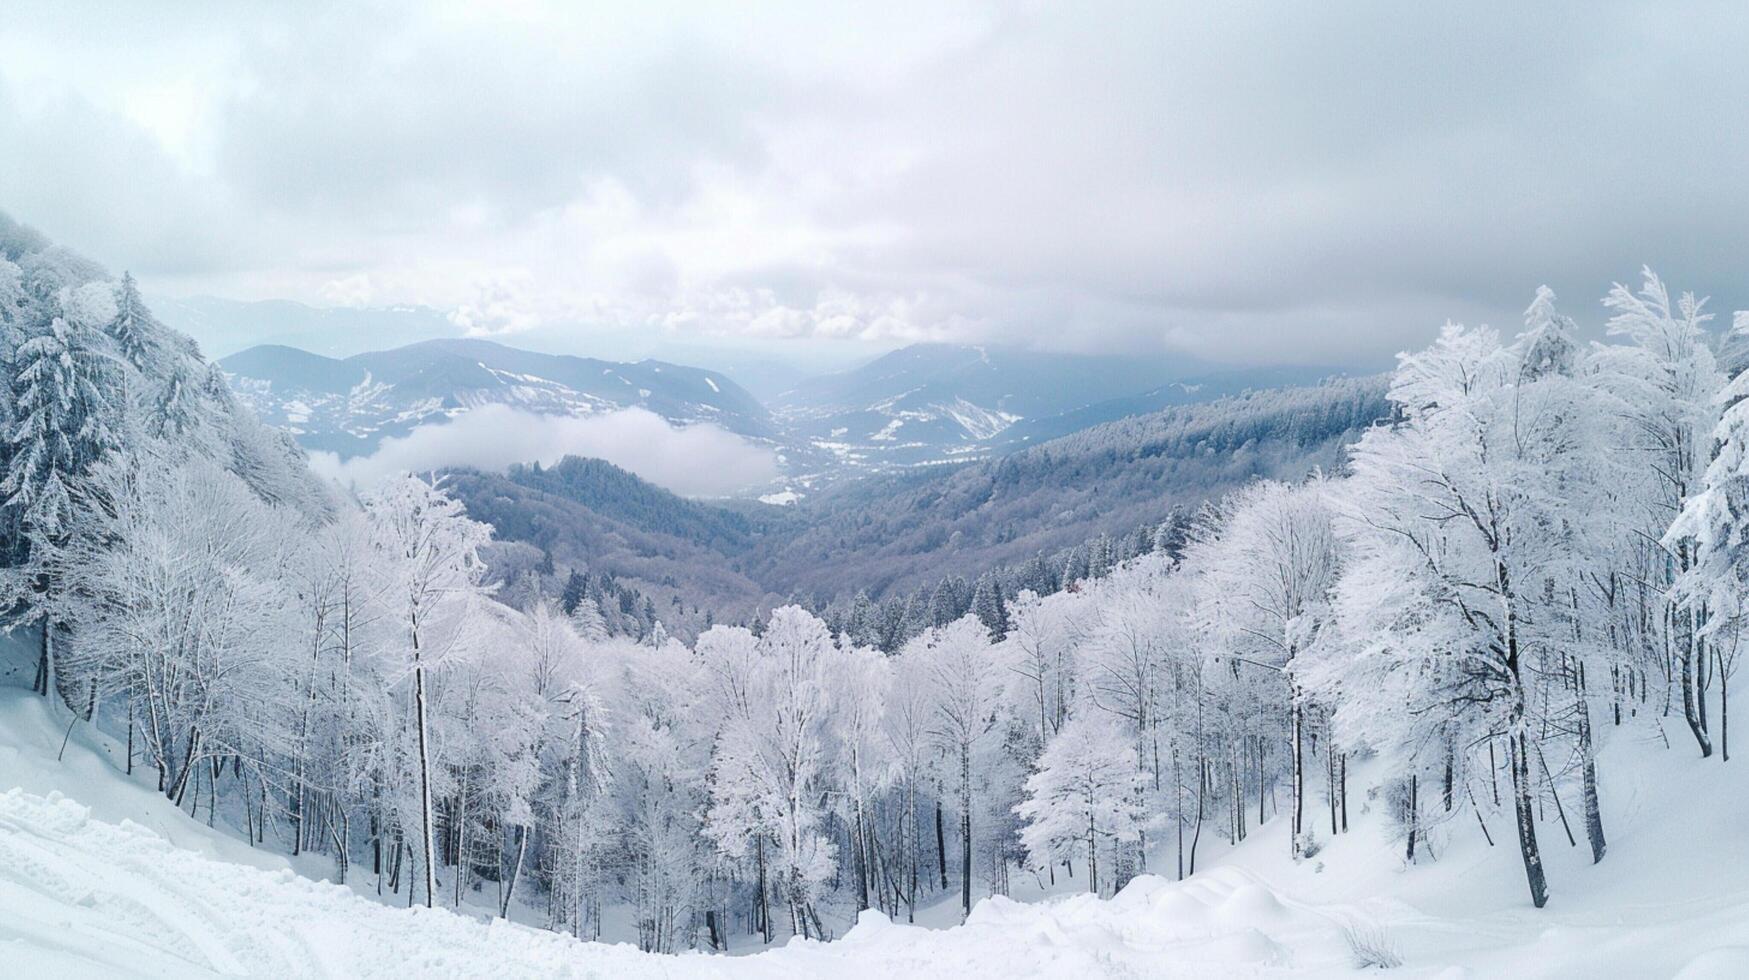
{"x": 1243, "y": 180}
{"x": 94, "y": 181}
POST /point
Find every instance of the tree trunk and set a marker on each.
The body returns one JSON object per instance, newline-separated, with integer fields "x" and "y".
{"x": 1493, "y": 773}
{"x": 179, "y": 782}
{"x": 764, "y": 907}
{"x": 1588, "y": 771}
{"x": 915, "y": 845}
{"x": 1260, "y": 781}
{"x": 1691, "y": 710}
{"x": 461, "y": 841}
{"x": 1202, "y": 785}
{"x": 1299, "y": 775}
{"x": 1724, "y": 711}
{"x": 1178, "y": 808}
{"x": 428, "y": 843}
{"x": 1342, "y": 782}
{"x": 45, "y": 669}
{"x": 1092, "y": 855}
{"x": 1446, "y": 788}
{"x": 941, "y": 845}
{"x": 710, "y": 922}
{"x": 1518, "y": 757}
{"x": 1560, "y": 811}
{"x": 516, "y": 872}
{"x": 1330, "y": 777}
{"x": 342, "y": 832}
{"x": 861, "y": 861}
{"x": 966, "y": 862}
{"x": 1413, "y": 817}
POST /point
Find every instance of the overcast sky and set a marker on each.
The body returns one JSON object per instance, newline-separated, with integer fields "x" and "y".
{"x": 1248, "y": 182}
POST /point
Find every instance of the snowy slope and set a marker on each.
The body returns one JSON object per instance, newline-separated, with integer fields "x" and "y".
{"x": 123, "y": 884}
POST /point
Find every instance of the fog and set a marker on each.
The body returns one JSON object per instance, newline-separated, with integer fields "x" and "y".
{"x": 697, "y": 460}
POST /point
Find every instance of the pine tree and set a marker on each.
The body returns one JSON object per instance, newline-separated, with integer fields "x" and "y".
{"x": 988, "y": 606}
{"x": 575, "y": 588}
{"x": 944, "y": 606}
{"x": 134, "y": 331}
{"x": 62, "y": 424}
{"x": 586, "y": 619}
{"x": 61, "y": 427}
{"x": 1549, "y": 343}
{"x": 862, "y": 622}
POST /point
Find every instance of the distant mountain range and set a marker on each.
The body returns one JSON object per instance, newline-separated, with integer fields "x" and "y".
{"x": 932, "y": 403}
{"x": 947, "y": 403}
{"x": 348, "y": 405}
{"x": 223, "y": 327}
{"x": 923, "y": 405}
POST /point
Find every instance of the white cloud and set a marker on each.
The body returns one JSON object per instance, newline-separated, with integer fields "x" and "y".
{"x": 351, "y": 291}
{"x": 696, "y": 460}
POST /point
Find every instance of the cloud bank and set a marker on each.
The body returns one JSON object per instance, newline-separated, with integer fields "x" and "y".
{"x": 1246, "y": 181}
{"x": 695, "y": 461}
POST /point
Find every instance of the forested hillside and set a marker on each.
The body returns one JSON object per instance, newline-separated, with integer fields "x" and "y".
{"x": 899, "y": 531}
{"x": 590, "y": 516}
{"x": 890, "y": 535}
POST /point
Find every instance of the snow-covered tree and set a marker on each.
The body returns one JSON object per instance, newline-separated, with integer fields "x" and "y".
{"x": 967, "y": 694}
{"x": 776, "y": 695}
{"x": 1085, "y": 798}
{"x": 432, "y": 557}
{"x": 1712, "y": 529}
{"x": 1273, "y": 566}
{"x": 1666, "y": 381}
{"x": 63, "y": 381}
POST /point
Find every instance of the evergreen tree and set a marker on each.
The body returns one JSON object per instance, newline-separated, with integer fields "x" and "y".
{"x": 1074, "y": 567}
{"x": 944, "y": 606}
{"x": 132, "y": 328}
{"x": 862, "y": 622}
{"x": 61, "y": 427}
{"x": 574, "y": 592}
{"x": 989, "y": 607}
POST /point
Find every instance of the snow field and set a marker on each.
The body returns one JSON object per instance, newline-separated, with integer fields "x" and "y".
{"x": 131, "y": 887}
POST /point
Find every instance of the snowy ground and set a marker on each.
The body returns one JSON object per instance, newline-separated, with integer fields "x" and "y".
{"x": 120, "y": 883}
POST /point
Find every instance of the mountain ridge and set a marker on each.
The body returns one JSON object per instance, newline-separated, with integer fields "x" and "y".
{"x": 348, "y": 405}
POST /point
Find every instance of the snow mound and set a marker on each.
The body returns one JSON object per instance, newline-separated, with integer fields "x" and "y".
{"x": 1722, "y": 963}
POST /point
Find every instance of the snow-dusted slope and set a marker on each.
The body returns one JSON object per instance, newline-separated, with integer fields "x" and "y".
{"x": 126, "y": 885}
{"x": 80, "y": 895}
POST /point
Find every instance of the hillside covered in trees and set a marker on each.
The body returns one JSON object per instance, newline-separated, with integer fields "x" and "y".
{"x": 1523, "y": 551}
{"x": 891, "y": 535}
